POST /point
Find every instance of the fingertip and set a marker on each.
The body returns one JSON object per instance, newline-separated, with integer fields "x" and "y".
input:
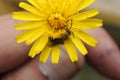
{"x": 64, "y": 70}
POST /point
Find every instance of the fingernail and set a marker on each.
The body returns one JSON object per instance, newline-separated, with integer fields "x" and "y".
{"x": 65, "y": 69}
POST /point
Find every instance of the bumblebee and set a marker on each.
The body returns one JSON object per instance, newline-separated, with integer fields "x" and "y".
{"x": 55, "y": 41}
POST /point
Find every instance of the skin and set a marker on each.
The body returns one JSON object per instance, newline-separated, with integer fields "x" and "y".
{"x": 16, "y": 65}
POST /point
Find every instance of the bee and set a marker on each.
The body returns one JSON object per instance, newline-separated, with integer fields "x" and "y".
{"x": 63, "y": 37}
{"x": 55, "y": 41}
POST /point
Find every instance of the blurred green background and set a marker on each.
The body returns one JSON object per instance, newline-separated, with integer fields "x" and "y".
{"x": 111, "y": 17}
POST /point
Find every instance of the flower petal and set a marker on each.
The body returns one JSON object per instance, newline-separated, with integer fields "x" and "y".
{"x": 88, "y": 24}
{"x": 80, "y": 46}
{"x": 71, "y": 50}
{"x": 34, "y": 3}
{"x": 58, "y": 5}
{"x": 55, "y": 54}
{"x": 63, "y": 5}
{"x": 45, "y": 6}
{"x": 36, "y": 36}
{"x": 52, "y": 4}
{"x": 26, "y": 16}
{"x": 31, "y": 9}
{"x": 43, "y": 3}
{"x": 26, "y": 35}
{"x": 84, "y": 4}
{"x": 30, "y": 25}
{"x": 74, "y": 4}
{"x": 38, "y": 46}
{"x": 45, "y": 54}
{"x": 86, "y": 38}
{"x": 84, "y": 15}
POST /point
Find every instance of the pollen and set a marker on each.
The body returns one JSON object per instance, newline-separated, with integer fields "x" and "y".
{"x": 57, "y": 21}
{"x": 56, "y": 33}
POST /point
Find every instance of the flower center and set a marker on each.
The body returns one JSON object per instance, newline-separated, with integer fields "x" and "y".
{"x": 59, "y": 31}
{"x": 57, "y": 21}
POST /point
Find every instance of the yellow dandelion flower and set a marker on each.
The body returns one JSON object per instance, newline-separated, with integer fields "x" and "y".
{"x": 52, "y": 23}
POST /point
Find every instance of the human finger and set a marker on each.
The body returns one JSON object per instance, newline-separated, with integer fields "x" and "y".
{"x": 11, "y": 54}
{"x": 29, "y": 71}
{"x": 105, "y": 58}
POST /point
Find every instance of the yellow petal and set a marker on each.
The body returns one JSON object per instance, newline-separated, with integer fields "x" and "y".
{"x": 45, "y": 54}
{"x": 62, "y": 5}
{"x": 86, "y": 38}
{"x": 91, "y": 23}
{"x": 34, "y": 37}
{"x": 84, "y": 4}
{"x": 88, "y": 24}
{"x": 84, "y": 15}
{"x": 74, "y": 6}
{"x": 80, "y": 46}
{"x": 43, "y": 3}
{"x": 30, "y": 8}
{"x": 55, "y": 54}
{"x": 71, "y": 50}
{"x": 26, "y": 35}
{"x": 52, "y": 4}
{"x": 34, "y": 3}
{"x": 58, "y": 5}
{"x": 37, "y": 35}
{"x": 30, "y": 25}
{"x": 38, "y": 46}
{"x": 45, "y": 6}
{"x": 26, "y": 16}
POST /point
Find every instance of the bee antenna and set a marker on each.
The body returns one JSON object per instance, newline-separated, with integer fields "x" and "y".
{"x": 70, "y": 23}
